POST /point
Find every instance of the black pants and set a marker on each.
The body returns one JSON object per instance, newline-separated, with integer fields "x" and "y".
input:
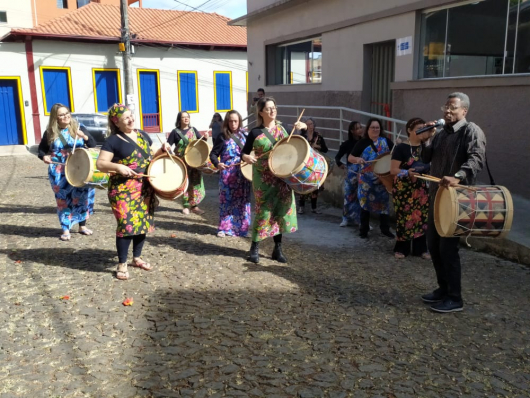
{"x": 384, "y": 222}
{"x": 314, "y": 196}
{"x": 123, "y": 243}
{"x": 419, "y": 246}
{"x": 446, "y": 260}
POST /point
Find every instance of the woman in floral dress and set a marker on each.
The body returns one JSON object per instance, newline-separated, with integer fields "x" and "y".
{"x": 127, "y": 153}
{"x": 373, "y": 196}
{"x": 410, "y": 194}
{"x": 181, "y": 137}
{"x": 74, "y": 205}
{"x": 234, "y": 188}
{"x": 275, "y": 209}
{"x": 351, "y": 212}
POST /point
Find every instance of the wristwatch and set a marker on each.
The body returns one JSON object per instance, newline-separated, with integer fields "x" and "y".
{"x": 461, "y": 175}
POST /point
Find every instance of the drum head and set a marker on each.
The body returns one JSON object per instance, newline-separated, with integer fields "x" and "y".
{"x": 246, "y": 169}
{"x": 446, "y": 212}
{"x": 382, "y": 166}
{"x": 79, "y": 167}
{"x": 289, "y": 157}
{"x": 196, "y": 155}
{"x": 169, "y": 176}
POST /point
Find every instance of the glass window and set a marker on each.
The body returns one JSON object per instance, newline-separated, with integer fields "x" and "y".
{"x": 62, "y": 3}
{"x": 3, "y": 17}
{"x": 488, "y": 37}
{"x": 295, "y": 63}
{"x": 81, "y": 3}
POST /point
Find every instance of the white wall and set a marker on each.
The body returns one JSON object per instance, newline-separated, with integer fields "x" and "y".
{"x": 82, "y": 57}
{"x": 18, "y": 15}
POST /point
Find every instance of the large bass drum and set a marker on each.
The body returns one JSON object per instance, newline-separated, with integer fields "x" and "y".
{"x": 170, "y": 179}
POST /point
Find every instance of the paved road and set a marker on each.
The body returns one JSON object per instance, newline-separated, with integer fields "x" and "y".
{"x": 337, "y": 321}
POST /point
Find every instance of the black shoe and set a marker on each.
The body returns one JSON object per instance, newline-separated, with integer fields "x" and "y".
{"x": 364, "y": 235}
{"x": 277, "y": 253}
{"x": 448, "y": 305}
{"x": 434, "y": 297}
{"x": 254, "y": 252}
{"x": 387, "y": 233}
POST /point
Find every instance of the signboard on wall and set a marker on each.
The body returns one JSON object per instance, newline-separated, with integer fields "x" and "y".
{"x": 404, "y": 46}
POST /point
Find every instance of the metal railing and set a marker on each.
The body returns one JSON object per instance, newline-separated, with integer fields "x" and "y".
{"x": 336, "y": 125}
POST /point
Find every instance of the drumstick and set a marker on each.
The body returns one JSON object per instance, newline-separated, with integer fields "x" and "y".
{"x": 245, "y": 163}
{"x": 57, "y": 163}
{"x": 195, "y": 143}
{"x": 137, "y": 175}
{"x": 430, "y": 178}
{"x": 294, "y": 128}
{"x": 170, "y": 154}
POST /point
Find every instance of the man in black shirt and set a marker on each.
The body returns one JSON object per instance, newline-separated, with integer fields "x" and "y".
{"x": 457, "y": 154}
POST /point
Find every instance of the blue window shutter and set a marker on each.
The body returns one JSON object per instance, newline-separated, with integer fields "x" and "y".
{"x": 188, "y": 92}
{"x": 149, "y": 90}
{"x": 223, "y": 92}
{"x": 56, "y": 87}
{"x": 106, "y": 89}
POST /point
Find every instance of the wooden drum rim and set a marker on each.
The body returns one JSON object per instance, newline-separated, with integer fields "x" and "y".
{"x": 302, "y": 164}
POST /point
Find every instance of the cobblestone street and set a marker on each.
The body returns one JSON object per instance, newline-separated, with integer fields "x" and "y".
{"x": 336, "y": 321}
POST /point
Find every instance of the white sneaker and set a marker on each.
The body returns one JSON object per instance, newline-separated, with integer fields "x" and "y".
{"x": 344, "y": 223}
{"x": 371, "y": 227}
{"x": 185, "y": 211}
{"x": 220, "y": 234}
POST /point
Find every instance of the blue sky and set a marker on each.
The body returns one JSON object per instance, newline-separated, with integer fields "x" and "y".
{"x": 229, "y": 8}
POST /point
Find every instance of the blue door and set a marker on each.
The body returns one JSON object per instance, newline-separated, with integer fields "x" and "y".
{"x": 149, "y": 105}
{"x": 11, "y": 127}
{"x": 107, "y": 89}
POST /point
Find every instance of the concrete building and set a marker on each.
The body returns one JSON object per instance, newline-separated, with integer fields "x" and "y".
{"x": 75, "y": 60}
{"x": 401, "y": 58}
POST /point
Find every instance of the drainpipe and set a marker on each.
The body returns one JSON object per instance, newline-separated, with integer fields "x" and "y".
{"x": 33, "y": 90}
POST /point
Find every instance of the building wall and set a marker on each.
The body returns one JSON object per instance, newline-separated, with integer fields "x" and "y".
{"x": 19, "y": 15}
{"x": 81, "y": 58}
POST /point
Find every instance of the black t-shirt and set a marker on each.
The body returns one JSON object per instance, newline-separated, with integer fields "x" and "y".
{"x": 363, "y": 143}
{"x": 249, "y": 144}
{"x": 403, "y": 152}
{"x": 120, "y": 148}
{"x": 174, "y": 138}
{"x": 44, "y": 146}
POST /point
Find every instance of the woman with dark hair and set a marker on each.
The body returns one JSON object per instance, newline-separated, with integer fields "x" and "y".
{"x": 373, "y": 196}
{"x": 317, "y": 142}
{"x": 234, "y": 188}
{"x": 181, "y": 137}
{"x": 74, "y": 205}
{"x": 216, "y": 119}
{"x": 275, "y": 210}
{"x": 127, "y": 153}
{"x": 351, "y": 212}
{"x": 410, "y": 194}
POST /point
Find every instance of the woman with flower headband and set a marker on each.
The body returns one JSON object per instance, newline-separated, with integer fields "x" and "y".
{"x": 127, "y": 153}
{"x": 274, "y": 208}
{"x": 74, "y": 205}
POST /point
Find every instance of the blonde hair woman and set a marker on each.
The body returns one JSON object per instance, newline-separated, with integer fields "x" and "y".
{"x": 74, "y": 205}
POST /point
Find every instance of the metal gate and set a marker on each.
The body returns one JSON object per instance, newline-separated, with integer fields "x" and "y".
{"x": 383, "y": 68}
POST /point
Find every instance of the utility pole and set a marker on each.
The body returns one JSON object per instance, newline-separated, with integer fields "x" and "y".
{"x": 126, "y": 40}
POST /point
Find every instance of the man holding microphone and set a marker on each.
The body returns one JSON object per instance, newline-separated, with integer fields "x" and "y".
{"x": 457, "y": 154}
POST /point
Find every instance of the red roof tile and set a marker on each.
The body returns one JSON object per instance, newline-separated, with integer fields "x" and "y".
{"x": 102, "y": 21}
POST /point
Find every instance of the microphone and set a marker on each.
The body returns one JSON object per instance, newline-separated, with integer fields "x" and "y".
{"x": 439, "y": 123}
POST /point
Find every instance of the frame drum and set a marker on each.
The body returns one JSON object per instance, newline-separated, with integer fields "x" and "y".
{"x": 486, "y": 211}
{"x": 246, "y": 169}
{"x": 382, "y": 170}
{"x": 197, "y": 156}
{"x": 295, "y": 163}
{"x": 171, "y": 178}
{"x": 80, "y": 169}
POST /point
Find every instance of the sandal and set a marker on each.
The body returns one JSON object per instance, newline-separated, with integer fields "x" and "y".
{"x": 185, "y": 211}
{"x": 399, "y": 256}
{"x": 86, "y": 231}
{"x": 426, "y": 256}
{"x": 139, "y": 263}
{"x": 121, "y": 272}
{"x": 65, "y": 236}
{"x": 196, "y": 210}
{"x": 221, "y": 234}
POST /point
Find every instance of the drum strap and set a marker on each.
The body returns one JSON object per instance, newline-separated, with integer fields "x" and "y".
{"x": 183, "y": 137}
{"x": 237, "y": 141}
{"x": 269, "y": 136}
{"x": 142, "y": 150}
{"x": 66, "y": 145}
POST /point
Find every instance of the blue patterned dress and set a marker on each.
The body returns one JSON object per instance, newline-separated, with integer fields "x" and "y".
{"x": 352, "y": 208}
{"x": 234, "y": 190}
{"x": 373, "y": 195}
{"x": 73, "y": 204}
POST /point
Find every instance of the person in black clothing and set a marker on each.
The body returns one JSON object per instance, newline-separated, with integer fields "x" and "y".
{"x": 457, "y": 154}
{"x": 352, "y": 209}
{"x": 373, "y": 196}
{"x": 181, "y": 137}
{"x": 317, "y": 142}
